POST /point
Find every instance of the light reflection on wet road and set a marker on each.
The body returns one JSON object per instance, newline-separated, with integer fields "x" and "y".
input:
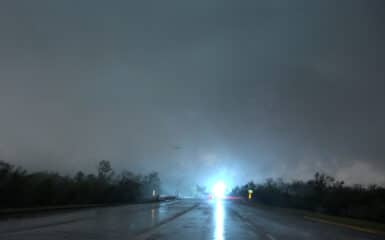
{"x": 219, "y": 220}
{"x": 187, "y": 219}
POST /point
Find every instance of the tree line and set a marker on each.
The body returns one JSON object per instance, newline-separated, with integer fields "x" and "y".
{"x": 20, "y": 188}
{"x": 322, "y": 194}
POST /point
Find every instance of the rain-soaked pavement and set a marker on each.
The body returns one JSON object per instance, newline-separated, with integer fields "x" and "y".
{"x": 184, "y": 219}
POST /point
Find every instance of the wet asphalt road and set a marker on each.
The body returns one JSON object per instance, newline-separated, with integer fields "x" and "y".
{"x": 184, "y": 219}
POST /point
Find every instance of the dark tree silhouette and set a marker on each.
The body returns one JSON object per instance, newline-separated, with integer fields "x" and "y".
{"x": 18, "y": 188}
{"x": 322, "y": 194}
{"x": 105, "y": 170}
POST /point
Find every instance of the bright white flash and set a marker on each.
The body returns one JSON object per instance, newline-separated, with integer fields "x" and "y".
{"x": 218, "y": 190}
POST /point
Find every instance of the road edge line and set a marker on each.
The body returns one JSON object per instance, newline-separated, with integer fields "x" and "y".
{"x": 356, "y": 228}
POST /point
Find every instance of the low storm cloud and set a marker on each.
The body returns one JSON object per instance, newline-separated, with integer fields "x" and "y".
{"x": 197, "y": 90}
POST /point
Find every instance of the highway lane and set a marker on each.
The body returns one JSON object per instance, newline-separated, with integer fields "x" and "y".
{"x": 185, "y": 219}
{"x": 99, "y": 223}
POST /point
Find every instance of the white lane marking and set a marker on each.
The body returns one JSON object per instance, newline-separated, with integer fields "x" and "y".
{"x": 269, "y": 236}
{"x": 149, "y": 232}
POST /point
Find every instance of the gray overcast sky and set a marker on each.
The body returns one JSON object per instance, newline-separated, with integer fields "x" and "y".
{"x": 197, "y": 90}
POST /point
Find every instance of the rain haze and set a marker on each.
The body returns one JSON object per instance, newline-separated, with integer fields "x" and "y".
{"x": 196, "y": 90}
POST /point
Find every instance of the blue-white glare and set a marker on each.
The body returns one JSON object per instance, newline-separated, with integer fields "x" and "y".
{"x": 218, "y": 190}
{"x": 219, "y": 232}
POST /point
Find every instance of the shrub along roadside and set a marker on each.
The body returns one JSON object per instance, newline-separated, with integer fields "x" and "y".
{"x": 21, "y": 189}
{"x": 322, "y": 194}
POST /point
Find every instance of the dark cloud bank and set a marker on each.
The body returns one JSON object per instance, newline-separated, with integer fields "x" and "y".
{"x": 198, "y": 90}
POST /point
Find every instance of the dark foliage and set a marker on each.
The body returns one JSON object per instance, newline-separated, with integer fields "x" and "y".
{"x": 18, "y": 188}
{"x": 322, "y": 194}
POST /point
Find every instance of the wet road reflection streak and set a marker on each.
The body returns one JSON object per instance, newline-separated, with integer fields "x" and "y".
{"x": 219, "y": 220}
{"x": 152, "y": 217}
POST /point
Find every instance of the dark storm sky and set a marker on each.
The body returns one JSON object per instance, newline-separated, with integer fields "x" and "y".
{"x": 198, "y": 90}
